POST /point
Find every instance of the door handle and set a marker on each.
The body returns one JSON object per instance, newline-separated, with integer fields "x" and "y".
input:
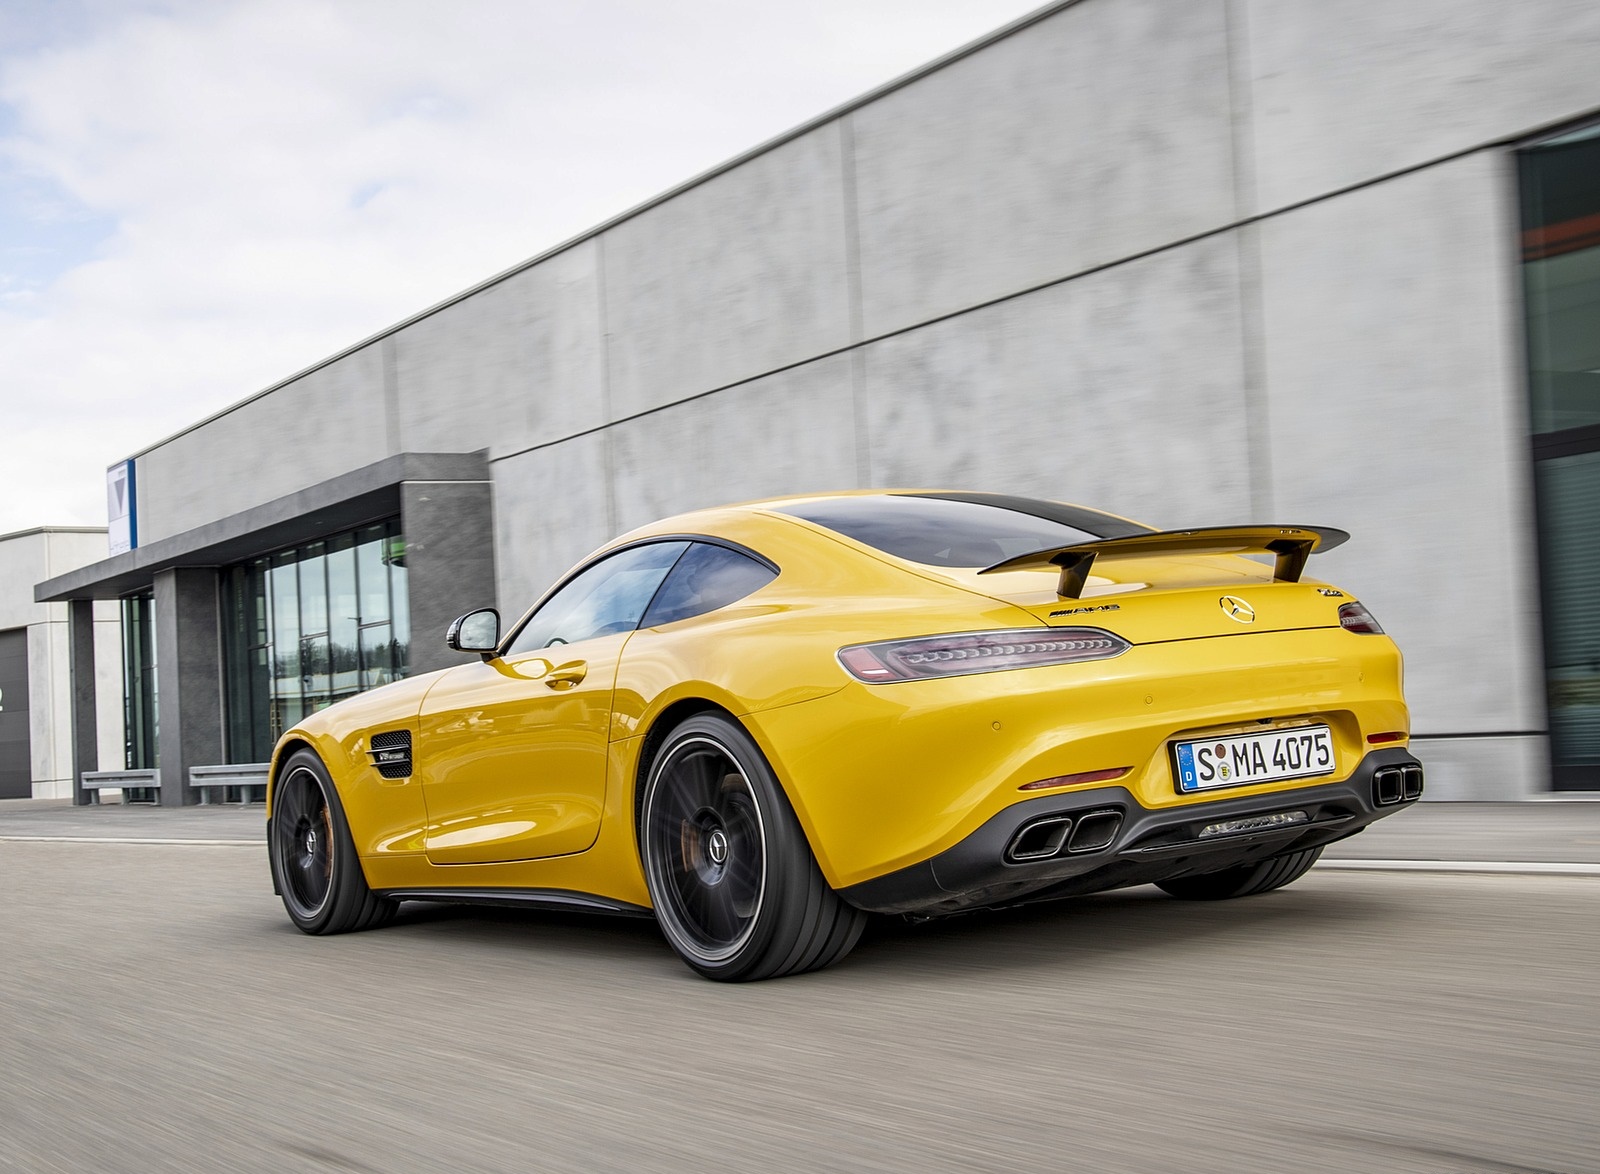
{"x": 567, "y": 675}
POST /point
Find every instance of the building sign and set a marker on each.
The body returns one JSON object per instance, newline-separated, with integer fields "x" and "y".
{"x": 122, "y": 517}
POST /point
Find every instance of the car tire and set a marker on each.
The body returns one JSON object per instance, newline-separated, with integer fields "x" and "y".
{"x": 1245, "y": 881}
{"x": 314, "y": 864}
{"x": 736, "y": 889}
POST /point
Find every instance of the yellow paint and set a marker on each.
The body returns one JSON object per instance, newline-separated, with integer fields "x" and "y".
{"x": 512, "y": 757}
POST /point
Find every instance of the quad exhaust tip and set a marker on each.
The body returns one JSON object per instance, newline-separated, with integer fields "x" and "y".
{"x": 1396, "y": 784}
{"x": 1041, "y": 839}
{"x": 1064, "y": 835}
{"x": 1094, "y": 831}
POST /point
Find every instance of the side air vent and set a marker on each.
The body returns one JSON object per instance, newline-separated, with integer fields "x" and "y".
{"x": 391, "y": 753}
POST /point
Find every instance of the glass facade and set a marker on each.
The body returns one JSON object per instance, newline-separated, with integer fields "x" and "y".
{"x": 1560, "y": 181}
{"x": 307, "y": 626}
{"x": 140, "y": 718}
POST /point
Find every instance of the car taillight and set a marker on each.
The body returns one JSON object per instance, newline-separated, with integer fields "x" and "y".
{"x": 1355, "y": 618}
{"x": 1088, "y": 776}
{"x": 977, "y": 652}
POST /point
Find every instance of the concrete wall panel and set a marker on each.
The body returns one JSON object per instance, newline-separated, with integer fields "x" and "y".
{"x": 35, "y": 555}
{"x": 1101, "y": 132}
{"x": 50, "y": 706}
{"x": 324, "y": 424}
{"x": 793, "y": 432}
{"x": 71, "y": 548}
{"x": 1344, "y": 91}
{"x": 514, "y": 365}
{"x": 731, "y": 279}
{"x": 449, "y": 562}
{"x": 24, "y": 561}
{"x": 550, "y": 509}
{"x": 1396, "y": 412}
{"x": 1484, "y": 770}
{"x": 188, "y": 678}
{"x": 1122, "y": 390}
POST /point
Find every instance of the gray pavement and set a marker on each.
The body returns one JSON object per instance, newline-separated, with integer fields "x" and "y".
{"x": 1534, "y": 831}
{"x": 57, "y": 819}
{"x": 1566, "y": 832}
{"x": 158, "y": 1013}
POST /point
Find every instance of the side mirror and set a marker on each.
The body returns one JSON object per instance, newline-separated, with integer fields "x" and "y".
{"x": 477, "y": 631}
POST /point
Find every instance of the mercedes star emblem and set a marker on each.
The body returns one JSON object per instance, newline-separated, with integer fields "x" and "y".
{"x": 1237, "y": 609}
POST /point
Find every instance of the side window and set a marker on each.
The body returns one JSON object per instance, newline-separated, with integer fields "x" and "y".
{"x": 605, "y": 598}
{"x": 706, "y": 578}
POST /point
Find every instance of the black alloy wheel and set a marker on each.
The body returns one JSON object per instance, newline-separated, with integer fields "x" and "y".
{"x": 303, "y": 842}
{"x": 710, "y": 848}
{"x": 735, "y": 887}
{"x": 313, "y": 858}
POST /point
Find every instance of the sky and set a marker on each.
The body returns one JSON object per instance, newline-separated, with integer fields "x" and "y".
{"x": 198, "y": 199}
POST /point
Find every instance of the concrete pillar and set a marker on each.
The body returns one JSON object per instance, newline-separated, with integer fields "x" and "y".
{"x": 85, "y": 723}
{"x": 449, "y": 534}
{"x": 188, "y": 677}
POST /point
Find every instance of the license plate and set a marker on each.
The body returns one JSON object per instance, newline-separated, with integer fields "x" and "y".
{"x": 1238, "y": 760}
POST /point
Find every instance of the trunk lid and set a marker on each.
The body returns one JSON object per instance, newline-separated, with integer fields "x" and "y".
{"x": 1148, "y": 600}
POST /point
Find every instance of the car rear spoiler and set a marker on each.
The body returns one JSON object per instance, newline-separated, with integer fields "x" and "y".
{"x": 1292, "y": 544}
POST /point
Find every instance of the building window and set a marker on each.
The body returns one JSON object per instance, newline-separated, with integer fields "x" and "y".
{"x": 307, "y": 626}
{"x": 1560, "y": 181}
{"x": 141, "y": 715}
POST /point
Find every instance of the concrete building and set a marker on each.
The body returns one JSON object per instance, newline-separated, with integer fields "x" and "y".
{"x": 37, "y": 755}
{"x": 1194, "y": 261}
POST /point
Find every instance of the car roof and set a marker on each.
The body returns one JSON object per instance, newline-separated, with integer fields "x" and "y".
{"x": 706, "y": 520}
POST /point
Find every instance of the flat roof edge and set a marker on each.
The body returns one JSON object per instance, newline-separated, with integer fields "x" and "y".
{"x": 350, "y": 499}
{"x": 32, "y": 530}
{"x": 897, "y": 83}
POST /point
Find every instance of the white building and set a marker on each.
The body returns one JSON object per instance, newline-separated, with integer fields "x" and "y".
{"x": 36, "y": 680}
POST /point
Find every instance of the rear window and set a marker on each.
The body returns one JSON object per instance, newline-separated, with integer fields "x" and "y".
{"x": 959, "y": 530}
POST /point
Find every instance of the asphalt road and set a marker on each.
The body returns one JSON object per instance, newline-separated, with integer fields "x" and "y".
{"x": 1566, "y": 832}
{"x": 1357, "y": 1021}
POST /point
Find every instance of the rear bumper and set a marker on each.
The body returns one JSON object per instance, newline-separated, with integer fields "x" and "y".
{"x": 1146, "y": 846}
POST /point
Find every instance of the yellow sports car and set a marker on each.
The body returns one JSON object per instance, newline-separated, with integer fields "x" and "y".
{"x": 761, "y": 723}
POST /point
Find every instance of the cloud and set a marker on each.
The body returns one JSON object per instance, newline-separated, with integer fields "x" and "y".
{"x": 247, "y": 187}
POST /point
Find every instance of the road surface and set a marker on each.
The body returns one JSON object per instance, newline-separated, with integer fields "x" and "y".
{"x": 1356, "y": 1021}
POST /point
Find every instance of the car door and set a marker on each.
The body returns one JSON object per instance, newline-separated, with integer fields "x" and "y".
{"x": 513, "y": 750}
